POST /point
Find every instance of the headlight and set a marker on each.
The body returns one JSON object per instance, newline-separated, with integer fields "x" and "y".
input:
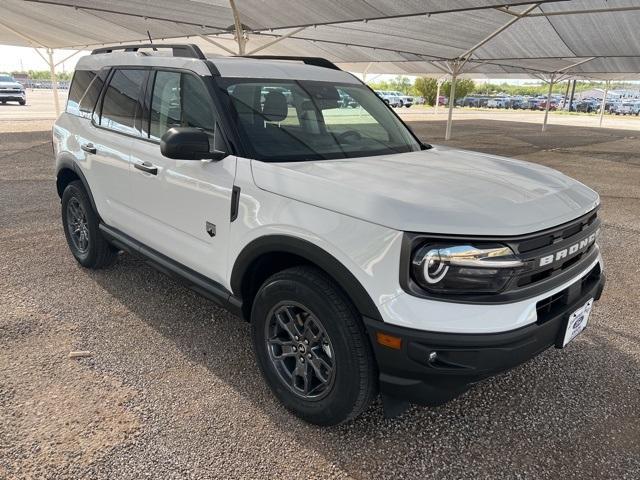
{"x": 464, "y": 268}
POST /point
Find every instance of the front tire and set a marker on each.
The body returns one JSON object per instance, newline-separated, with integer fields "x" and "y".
{"x": 312, "y": 347}
{"x": 81, "y": 229}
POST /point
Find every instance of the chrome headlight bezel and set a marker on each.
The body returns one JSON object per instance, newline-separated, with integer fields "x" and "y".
{"x": 464, "y": 268}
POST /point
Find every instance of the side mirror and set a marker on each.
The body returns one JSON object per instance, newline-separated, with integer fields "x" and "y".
{"x": 188, "y": 143}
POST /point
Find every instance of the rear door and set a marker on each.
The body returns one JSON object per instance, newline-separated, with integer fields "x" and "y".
{"x": 182, "y": 207}
{"x": 116, "y": 122}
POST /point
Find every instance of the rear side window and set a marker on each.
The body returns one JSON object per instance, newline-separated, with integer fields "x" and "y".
{"x": 179, "y": 100}
{"x": 121, "y": 108}
{"x": 84, "y": 92}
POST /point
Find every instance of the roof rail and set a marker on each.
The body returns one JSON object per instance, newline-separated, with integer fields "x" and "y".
{"x": 188, "y": 50}
{"x": 315, "y": 61}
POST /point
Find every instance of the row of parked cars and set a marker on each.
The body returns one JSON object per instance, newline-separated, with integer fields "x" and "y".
{"x": 396, "y": 99}
{"x": 587, "y": 105}
{"x": 515, "y": 103}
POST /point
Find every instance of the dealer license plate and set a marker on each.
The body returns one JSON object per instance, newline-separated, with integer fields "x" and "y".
{"x": 577, "y": 322}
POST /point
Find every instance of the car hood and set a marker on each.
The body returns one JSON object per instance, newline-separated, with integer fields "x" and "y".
{"x": 441, "y": 190}
{"x": 10, "y": 85}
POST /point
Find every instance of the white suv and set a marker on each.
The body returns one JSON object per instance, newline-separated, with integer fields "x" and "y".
{"x": 365, "y": 260}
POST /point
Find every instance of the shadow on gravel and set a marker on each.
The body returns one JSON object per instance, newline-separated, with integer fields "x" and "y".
{"x": 568, "y": 413}
{"x": 542, "y": 415}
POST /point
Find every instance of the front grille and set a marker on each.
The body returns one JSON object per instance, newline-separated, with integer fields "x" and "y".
{"x": 6, "y": 90}
{"x": 533, "y": 248}
{"x": 549, "y": 307}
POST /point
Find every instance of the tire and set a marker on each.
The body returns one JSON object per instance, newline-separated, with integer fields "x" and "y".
{"x": 88, "y": 246}
{"x": 22, "y": 102}
{"x": 4, "y": 102}
{"x": 340, "y": 341}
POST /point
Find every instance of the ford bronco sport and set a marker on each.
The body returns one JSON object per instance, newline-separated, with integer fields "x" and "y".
{"x": 366, "y": 261}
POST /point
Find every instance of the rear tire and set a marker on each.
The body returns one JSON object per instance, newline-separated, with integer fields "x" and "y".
{"x": 22, "y": 102}
{"x": 312, "y": 347}
{"x": 81, "y": 228}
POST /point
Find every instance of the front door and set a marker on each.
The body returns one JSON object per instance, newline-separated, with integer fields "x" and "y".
{"x": 182, "y": 206}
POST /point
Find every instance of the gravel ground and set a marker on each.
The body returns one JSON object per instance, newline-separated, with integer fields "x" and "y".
{"x": 171, "y": 389}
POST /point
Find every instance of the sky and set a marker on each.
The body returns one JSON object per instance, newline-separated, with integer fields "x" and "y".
{"x": 23, "y": 58}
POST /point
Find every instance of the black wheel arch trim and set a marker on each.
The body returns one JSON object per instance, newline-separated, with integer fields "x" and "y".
{"x": 286, "y": 244}
{"x": 68, "y": 164}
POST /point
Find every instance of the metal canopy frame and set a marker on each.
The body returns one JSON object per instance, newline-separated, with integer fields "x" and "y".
{"x": 285, "y": 35}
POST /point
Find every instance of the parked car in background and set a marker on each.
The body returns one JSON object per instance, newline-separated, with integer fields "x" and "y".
{"x": 347, "y": 101}
{"x": 519, "y": 103}
{"x": 553, "y": 104}
{"x": 405, "y": 100}
{"x": 390, "y": 98}
{"x": 11, "y": 91}
{"x": 586, "y": 106}
{"x": 498, "y": 102}
{"x": 635, "y": 110}
{"x": 625, "y": 108}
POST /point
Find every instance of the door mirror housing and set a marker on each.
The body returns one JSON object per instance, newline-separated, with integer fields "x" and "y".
{"x": 188, "y": 143}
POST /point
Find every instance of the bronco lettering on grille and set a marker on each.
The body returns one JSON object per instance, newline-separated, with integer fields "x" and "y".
{"x": 565, "y": 252}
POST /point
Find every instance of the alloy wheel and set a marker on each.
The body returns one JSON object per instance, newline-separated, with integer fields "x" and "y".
{"x": 78, "y": 225}
{"x": 300, "y": 350}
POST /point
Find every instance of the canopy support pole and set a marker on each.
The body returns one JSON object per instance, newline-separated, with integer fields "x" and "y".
{"x": 566, "y": 94}
{"x": 242, "y": 41}
{"x": 573, "y": 91}
{"x": 452, "y": 100}
{"x": 548, "y": 104}
{"x": 435, "y": 107}
{"x": 604, "y": 101}
{"x": 366, "y": 70}
{"x": 54, "y": 81}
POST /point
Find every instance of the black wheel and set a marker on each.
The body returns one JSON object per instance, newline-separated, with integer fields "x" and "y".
{"x": 80, "y": 224}
{"x": 22, "y": 102}
{"x": 312, "y": 348}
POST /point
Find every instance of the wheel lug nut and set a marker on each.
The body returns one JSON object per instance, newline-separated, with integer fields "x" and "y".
{"x": 301, "y": 359}
{"x": 306, "y": 341}
{"x": 297, "y": 337}
{"x": 308, "y": 355}
{"x": 295, "y": 349}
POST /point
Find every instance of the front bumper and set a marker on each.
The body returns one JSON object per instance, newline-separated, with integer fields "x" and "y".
{"x": 12, "y": 97}
{"x": 412, "y": 373}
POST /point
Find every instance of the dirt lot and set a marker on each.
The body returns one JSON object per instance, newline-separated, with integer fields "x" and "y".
{"x": 171, "y": 389}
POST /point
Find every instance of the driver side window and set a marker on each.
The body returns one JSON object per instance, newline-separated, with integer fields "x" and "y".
{"x": 179, "y": 100}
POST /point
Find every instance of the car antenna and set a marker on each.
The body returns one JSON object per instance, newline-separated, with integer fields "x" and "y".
{"x": 151, "y": 41}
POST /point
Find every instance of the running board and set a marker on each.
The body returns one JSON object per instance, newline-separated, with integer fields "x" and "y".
{"x": 194, "y": 280}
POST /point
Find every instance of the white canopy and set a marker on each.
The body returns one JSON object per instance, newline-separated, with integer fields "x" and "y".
{"x": 590, "y": 38}
{"x": 553, "y": 39}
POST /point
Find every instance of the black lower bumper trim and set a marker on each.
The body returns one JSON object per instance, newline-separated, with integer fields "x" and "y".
{"x": 415, "y": 374}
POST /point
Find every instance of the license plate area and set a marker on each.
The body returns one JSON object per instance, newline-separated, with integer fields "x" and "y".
{"x": 576, "y": 323}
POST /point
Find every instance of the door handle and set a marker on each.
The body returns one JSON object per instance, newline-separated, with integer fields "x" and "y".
{"x": 88, "y": 147}
{"x": 146, "y": 167}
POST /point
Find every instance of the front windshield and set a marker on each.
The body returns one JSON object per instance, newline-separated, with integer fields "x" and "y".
{"x": 6, "y": 78}
{"x": 295, "y": 120}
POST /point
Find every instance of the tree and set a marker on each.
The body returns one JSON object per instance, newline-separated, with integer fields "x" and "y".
{"x": 427, "y": 88}
{"x": 464, "y": 86}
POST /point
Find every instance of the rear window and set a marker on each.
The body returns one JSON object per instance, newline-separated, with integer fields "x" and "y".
{"x": 84, "y": 92}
